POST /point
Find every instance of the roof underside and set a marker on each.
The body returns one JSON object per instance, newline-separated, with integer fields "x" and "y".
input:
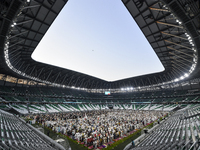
{"x": 166, "y": 36}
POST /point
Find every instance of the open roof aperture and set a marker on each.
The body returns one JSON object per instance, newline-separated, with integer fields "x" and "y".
{"x": 98, "y": 38}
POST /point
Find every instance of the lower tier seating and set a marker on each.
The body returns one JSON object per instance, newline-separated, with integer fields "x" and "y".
{"x": 180, "y": 131}
{"x": 17, "y": 135}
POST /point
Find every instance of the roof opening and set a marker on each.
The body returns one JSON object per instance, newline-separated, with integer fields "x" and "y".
{"x": 98, "y": 38}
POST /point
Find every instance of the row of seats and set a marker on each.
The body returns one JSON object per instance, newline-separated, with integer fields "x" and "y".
{"x": 180, "y": 131}
{"x": 52, "y": 108}
{"x": 16, "y": 135}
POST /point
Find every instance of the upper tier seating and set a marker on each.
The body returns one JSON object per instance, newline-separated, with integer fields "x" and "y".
{"x": 55, "y": 94}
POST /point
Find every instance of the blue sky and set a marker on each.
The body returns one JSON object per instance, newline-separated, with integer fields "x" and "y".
{"x": 99, "y": 38}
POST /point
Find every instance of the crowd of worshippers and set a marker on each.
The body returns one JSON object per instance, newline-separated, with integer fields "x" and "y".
{"x": 97, "y": 127}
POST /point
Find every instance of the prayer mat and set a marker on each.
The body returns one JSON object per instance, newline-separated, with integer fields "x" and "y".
{"x": 110, "y": 143}
{"x": 91, "y": 147}
{"x": 105, "y": 145}
{"x": 101, "y": 147}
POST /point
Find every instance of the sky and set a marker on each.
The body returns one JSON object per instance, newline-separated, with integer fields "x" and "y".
{"x": 99, "y": 38}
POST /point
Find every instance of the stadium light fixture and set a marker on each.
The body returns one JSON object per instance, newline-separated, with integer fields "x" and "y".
{"x": 179, "y": 22}
{"x": 186, "y": 74}
{"x": 195, "y": 59}
{"x": 176, "y": 80}
{"x": 14, "y": 24}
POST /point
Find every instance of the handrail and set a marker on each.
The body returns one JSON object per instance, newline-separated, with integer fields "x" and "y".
{"x": 185, "y": 145}
{"x": 193, "y": 145}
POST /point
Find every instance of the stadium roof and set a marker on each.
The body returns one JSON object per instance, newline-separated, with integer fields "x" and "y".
{"x": 171, "y": 27}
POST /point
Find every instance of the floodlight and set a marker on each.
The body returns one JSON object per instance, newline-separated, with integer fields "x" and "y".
{"x": 176, "y": 80}
{"x": 186, "y": 74}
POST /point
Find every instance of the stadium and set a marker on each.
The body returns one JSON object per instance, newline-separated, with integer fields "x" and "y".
{"x": 46, "y": 107}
